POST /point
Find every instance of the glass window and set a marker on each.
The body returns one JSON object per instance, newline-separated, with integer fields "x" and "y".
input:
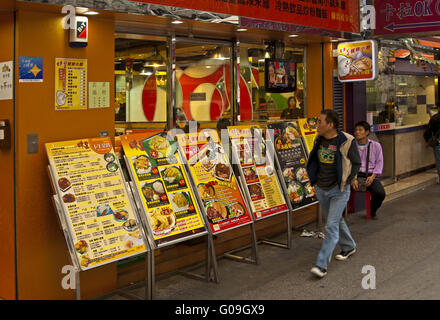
{"x": 263, "y": 105}
{"x": 141, "y": 80}
{"x": 203, "y": 81}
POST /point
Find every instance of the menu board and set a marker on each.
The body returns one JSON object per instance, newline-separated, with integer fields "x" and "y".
{"x": 291, "y": 155}
{"x": 261, "y": 183}
{"x": 162, "y": 184}
{"x": 100, "y": 218}
{"x": 214, "y": 178}
{"x": 70, "y": 84}
{"x": 309, "y": 131}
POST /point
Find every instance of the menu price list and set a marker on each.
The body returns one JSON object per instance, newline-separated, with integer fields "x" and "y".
{"x": 101, "y": 219}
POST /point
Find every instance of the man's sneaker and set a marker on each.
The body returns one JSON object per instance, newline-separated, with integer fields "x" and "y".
{"x": 345, "y": 254}
{"x": 318, "y": 271}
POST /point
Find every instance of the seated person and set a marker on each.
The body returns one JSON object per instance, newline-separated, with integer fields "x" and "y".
{"x": 375, "y": 165}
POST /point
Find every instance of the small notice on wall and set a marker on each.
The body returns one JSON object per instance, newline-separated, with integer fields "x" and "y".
{"x": 6, "y": 80}
{"x": 30, "y": 69}
{"x": 99, "y": 95}
{"x": 70, "y": 84}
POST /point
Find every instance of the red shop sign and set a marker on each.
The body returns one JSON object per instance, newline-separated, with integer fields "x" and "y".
{"x": 339, "y": 15}
{"x": 407, "y": 16}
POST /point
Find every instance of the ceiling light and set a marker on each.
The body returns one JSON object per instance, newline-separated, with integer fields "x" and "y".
{"x": 177, "y": 22}
{"x": 91, "y": 13}
{"x": 241, "y": 29}
{"x": 293, "y": 36}
{"x": 334, "y": 40}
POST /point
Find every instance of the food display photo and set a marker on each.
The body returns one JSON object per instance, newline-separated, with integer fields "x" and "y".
{"x": 167, "y": 200}
{"x": 94, "y": 201}
{"x": 215, "y": 182}
{"x": 292, "y": 159}
{"x": 261, "y": 182}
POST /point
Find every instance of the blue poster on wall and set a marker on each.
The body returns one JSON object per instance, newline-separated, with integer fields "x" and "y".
{"x": 30, "y": 69}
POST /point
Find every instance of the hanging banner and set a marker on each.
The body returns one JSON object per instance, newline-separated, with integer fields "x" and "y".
{"x": 407, "y": 16}
{"x": 257, "y": 170}
{"x": 357, "y": 61}
{"x": 101, "y": 221}
{"x": 340, "y": 15}
{"x": 309, "y": 131}
{"x": 215, "y": 181}
{"x": 168, "y": 201}
{"x": 292, "y": 159}
{"x": 70, "y": 84}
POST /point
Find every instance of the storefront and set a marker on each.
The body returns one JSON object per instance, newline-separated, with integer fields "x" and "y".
{"x": 164, "y": 67}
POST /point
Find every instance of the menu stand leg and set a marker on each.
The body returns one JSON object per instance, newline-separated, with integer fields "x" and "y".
{"x": 212, "y": 260}
{"x": 152, "y": 277}
{"x": 148, "y": 279}
{"x": 289, "y": 235}
{"x": 77, "y": 284}
{"x": 253, "y": 246}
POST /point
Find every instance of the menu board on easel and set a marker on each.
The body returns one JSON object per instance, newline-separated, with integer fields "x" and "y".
{"x": 220, "y": 195}
{"x": 309, "y": 131}
{"x": 259, "y": 177}
{"x": 101, "y": 221}
{"x": 162, "y": 184}
{"x": 292, "y": 160}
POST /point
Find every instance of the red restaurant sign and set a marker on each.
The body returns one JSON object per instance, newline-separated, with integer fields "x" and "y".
{"x": 339, "y": 15}
{"x": 407, "y": 16}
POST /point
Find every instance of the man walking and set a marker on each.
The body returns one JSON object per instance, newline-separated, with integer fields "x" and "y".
{"x": 333, "y": 163}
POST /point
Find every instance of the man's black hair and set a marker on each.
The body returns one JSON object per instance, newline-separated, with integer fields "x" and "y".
{"x": 331, "y": 117}
{"x": 363, "y": 124}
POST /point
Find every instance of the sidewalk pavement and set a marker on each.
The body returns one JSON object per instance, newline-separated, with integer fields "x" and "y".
{"x": 403, "y": 246}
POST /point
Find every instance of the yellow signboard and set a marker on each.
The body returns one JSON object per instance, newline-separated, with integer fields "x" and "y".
{"x": 70, "y": 84}
{"x": 309, "y": 131}
{"x": 100, "y": 218}
{"x": 163, "y": 186}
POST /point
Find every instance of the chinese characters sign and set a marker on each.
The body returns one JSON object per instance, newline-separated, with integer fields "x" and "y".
{"x": 340, "y": 15}
{"x": 70, "y": 84}
{"x": 6, "y": 80}
{"x": 357, "y": 61}
{"x": 101, "y": 221}
{"x": 407, "y": 16}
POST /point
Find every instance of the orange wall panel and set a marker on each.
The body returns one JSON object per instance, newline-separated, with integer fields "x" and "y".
{"x": 42, "y": 250}
{"x": 7, "y": 244}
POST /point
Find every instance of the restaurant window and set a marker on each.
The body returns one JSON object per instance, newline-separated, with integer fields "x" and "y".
{"x": 264, "y": 105}
{"x": 141, "y": 80}
{"x": 203, "y": 81}
{"x": 406, "y": 99}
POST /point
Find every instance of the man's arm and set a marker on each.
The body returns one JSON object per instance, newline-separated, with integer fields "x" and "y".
{"x": 355, "y": 158}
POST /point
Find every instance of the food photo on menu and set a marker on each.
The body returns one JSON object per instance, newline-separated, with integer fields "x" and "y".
{"x": 154, "y": 193}
{"x": 162, "y": 221}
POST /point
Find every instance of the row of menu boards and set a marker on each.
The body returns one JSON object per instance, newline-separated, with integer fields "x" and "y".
{"x": 182, "y": 186}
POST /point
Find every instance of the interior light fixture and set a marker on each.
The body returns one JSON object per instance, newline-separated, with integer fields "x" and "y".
{"x": 293, "y": 35}
{"x": 91, "y": 13}
{"x": 176, "y": 22}
{"x": 241, "y": 29}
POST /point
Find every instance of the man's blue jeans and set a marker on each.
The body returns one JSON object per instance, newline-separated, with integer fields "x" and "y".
{"x": 437, "y": 159}
{"x": 333, "y": 204}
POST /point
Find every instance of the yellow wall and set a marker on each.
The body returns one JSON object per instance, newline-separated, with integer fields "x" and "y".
{"x": 313, "y": 76}
{"x": 42, "y": 249}
{"x": 7, "y": 244}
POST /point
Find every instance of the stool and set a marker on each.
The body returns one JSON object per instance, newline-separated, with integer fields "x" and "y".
{"x": 350, "y": 204}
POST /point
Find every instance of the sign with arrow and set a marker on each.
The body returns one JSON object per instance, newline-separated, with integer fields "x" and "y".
{"x": 407, "y": 16}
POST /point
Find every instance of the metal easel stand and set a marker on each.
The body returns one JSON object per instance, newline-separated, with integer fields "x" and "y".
{"x": 278, "y": 244}
{"x": 255, "y": 259}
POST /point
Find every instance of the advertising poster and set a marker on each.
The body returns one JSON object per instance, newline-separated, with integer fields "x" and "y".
{"x": 258, "y": 172}
{"x": 163, "y": 187}
{"x": 70, "y": 84}
{"x": 357, "y": 61}
{"x": 30, "y": 69}
{"x": 214, "y": 178}
{"x": 292, "y": 159}
{"x": 101, "y": 220}
{"x": 309, "y": 131}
